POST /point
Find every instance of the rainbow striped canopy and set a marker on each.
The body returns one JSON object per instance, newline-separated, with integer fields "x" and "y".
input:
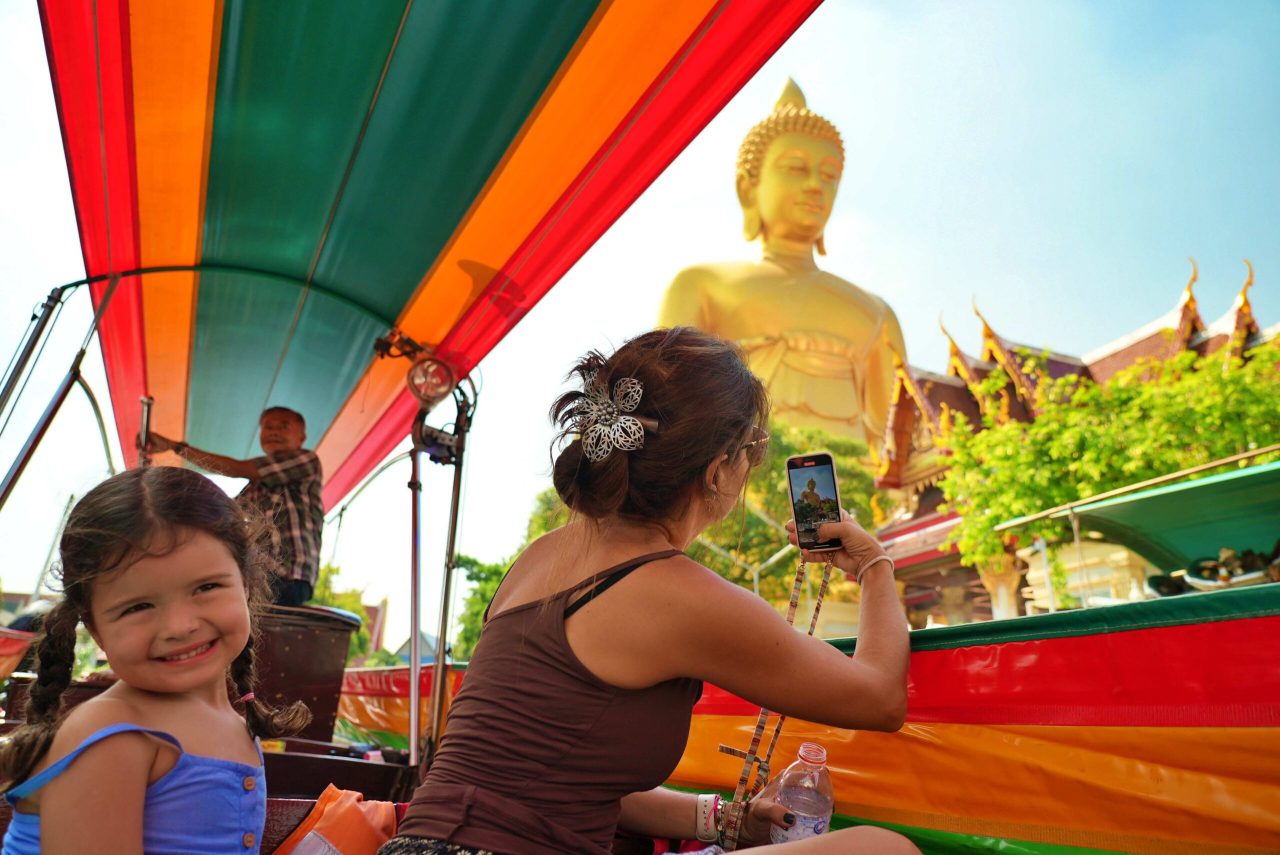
{"x": 279, "y": 183}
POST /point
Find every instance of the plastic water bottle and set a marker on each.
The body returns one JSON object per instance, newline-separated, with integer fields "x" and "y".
{"x": 804, "y": 789}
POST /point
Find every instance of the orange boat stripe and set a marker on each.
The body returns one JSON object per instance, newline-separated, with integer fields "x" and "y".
{"x": 1193, "y": 784}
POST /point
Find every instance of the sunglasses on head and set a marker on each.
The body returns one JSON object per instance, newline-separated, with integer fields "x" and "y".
{"x": 757, "y": 448}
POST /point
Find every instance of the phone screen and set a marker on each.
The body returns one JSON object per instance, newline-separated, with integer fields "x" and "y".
{"x": 814, "y": 498}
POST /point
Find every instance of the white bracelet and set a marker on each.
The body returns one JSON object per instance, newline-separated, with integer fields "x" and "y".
{"x": 706, "y": 830}
{"x": 862, "y": 571}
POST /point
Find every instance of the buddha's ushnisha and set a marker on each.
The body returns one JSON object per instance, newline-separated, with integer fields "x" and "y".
{"x": 823, "y": 346}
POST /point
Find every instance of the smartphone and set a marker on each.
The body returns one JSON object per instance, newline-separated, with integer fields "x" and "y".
{"x": 815, "y": 498}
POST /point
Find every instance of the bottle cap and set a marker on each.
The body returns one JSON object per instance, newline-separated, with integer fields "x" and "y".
{"x": 812, "y": 752}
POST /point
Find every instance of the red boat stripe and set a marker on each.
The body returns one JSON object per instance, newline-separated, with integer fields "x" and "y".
{"x": 1201, "y": 674}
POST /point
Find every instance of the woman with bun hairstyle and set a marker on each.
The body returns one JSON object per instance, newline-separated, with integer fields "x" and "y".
{"x": 577, "y": 702}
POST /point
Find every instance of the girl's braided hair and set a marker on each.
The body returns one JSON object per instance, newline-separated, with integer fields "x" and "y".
{"x": 142, "y": 512}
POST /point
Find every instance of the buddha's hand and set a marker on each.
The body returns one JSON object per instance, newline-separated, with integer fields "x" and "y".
{"x": 858, "y": 550}
{"x": 762, "y": 815}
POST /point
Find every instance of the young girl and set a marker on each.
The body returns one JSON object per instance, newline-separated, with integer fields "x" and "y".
{"x": 162, "y": 568}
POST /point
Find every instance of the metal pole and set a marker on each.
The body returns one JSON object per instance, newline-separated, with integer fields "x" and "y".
{"x": 37, "y": 433}
{"x": 24, "y": 456}
{"x": 1088, "y": 577}
{"x": 102, "y": 425}
{"x": 42, "y": 322}
{"x": 415, "y": 619}
{"x": 1141, "y": 485}
{"x": 438, "y": 682}
{"x": 53, "y": 548}
{"x": 144, "y": 431}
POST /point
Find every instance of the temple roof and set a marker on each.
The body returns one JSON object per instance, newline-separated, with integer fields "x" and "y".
{"x": 1236, "y": 325}
{"x": 1158, "y": 339}
{"x": 921, "y": 393}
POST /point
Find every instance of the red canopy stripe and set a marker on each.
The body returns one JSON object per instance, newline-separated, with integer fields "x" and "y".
{"x": 89, "y": 64}
{"x": 730, "y": 46}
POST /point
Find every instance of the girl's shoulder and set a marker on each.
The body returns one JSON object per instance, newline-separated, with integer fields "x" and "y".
{"x": 90, "y": 718}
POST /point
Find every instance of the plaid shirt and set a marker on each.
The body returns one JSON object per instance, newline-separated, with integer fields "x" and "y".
{"x": 287, "y": 490}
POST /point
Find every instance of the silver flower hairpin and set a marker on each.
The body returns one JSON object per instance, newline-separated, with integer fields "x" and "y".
{"x": 603, "y": 423}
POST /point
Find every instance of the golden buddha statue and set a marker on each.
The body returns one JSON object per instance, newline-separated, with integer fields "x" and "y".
{"x": 822, "y": 346}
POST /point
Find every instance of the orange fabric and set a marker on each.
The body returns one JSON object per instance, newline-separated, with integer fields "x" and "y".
{"x": 1067, "y": 784}
{"x": 617, "y": 59}
{"x": 348, "y": 823}
{"x": 175, "y": 50}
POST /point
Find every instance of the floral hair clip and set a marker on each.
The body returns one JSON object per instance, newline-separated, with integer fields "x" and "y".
{"x": 604, "y": 422}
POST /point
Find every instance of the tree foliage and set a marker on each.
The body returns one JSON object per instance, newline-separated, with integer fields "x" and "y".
{"x": 740, "y": 547}
{"x": 1151, "y": 419}
{"x": 484, "y": 579}
{"x": 351, "y": 601}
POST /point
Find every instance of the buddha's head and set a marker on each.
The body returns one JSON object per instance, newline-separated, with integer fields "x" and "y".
{"x": 812, "y": 484}
{"x": 789, "y": 169}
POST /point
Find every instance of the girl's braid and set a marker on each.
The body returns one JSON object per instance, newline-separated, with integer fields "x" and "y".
{"x": 264, "y": 719}
{"x": 56, "y": 652}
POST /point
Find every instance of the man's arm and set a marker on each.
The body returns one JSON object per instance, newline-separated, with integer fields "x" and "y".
{"x": 206, "y": 460}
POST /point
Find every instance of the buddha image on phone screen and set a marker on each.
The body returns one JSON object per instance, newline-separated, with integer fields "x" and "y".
{"x": 814, "y": 500}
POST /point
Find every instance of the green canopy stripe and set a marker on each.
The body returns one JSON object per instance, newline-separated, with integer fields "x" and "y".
{"x": 463, "y": 82}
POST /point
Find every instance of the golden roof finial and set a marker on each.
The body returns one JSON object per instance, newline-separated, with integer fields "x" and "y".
{"x": 986, "y": 327}
{"x": 1195, "y": 276}
{"x": 955, "y": 348}
{"x": 1248, "y": 283}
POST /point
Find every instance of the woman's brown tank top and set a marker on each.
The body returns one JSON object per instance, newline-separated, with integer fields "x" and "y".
{"x": 537, "y": 751}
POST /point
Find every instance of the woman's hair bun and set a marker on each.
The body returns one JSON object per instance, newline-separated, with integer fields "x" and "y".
{"x": 699, "y": 395}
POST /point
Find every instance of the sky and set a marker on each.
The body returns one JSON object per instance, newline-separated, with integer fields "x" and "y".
{"x": 1055, "y": 163}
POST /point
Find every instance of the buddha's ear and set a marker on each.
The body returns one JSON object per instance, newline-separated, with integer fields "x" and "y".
{"x": 752, "y": 226}
{"x": 821, "y": 245}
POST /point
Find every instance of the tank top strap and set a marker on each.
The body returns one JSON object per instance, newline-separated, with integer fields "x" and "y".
{"x": 601, "y": 582}
{"x": 485, "y": 618}
{"x": 35, "y": 782}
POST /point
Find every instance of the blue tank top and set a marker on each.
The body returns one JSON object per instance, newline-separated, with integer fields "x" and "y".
{"x": 202, "y": 805}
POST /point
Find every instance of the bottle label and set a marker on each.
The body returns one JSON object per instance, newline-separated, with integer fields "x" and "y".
{"x": 807, "y": 825}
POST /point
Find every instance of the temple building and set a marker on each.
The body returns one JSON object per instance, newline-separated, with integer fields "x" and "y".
{"x": 937, "y": 587}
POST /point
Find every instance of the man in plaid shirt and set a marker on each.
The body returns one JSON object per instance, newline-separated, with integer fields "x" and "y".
{"x": 284, "y": 484}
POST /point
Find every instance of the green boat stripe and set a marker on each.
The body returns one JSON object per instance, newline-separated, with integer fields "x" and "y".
{"x": 1250, "y": 602}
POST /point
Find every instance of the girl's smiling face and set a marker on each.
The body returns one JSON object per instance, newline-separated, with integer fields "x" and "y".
{"x": 173, "y": 623}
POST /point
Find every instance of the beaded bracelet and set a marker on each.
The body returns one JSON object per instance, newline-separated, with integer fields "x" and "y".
{"x": 708, "y": 828}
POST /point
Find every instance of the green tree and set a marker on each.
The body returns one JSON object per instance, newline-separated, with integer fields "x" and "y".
{"x": 741, "y": 546}
{"x": 1149, "y": 420}
{"x": 352, "y": 601}
{"x": 484, "y": 579}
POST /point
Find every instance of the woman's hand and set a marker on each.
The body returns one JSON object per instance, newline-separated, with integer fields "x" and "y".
{"x": 762, "y": 815}
{"x": 857, "y": 550}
